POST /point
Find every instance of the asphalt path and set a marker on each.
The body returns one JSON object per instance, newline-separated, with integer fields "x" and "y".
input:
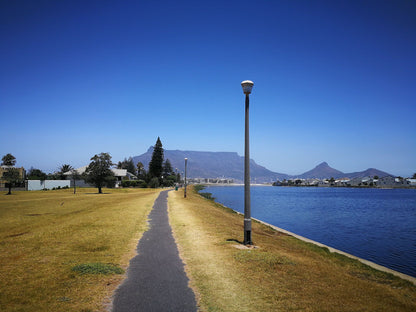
{"x": 156, "y": 279}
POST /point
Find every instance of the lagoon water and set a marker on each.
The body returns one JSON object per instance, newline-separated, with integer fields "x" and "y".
{"x": 374, "y": 224}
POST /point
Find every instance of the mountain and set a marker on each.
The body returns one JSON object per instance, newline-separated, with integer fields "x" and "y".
{"x": 213, "y": 165}
{"x": 322, "y": 171}
{"x": 231, "y": 165}
{"x": 371, "y": 172}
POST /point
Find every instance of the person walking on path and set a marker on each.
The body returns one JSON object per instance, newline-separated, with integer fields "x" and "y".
{"x": 156, "y": 279}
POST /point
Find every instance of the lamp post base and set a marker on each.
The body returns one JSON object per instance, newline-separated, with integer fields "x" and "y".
{"x": 247, "y": 238}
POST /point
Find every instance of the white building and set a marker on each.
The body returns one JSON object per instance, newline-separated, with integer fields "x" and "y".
{"x": 120, "y": 174}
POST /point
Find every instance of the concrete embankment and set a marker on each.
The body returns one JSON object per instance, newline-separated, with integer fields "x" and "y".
{"x": 366, "y": 262}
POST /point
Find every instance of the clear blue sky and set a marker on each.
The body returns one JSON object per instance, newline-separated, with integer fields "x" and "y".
{"x": 334, "y": 81}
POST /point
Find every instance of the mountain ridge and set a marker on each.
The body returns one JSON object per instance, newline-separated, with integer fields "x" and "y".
{"x": 324, "y": 171}
{"x": 231, "y": 165}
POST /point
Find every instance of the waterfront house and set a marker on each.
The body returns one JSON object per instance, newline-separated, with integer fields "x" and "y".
{"x": 411, "y": 182}
{"x": 391, "y": 182}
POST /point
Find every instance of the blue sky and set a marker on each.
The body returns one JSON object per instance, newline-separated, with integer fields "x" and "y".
{"x": 334, "y": 81}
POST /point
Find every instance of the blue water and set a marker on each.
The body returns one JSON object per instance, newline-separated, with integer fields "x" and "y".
{"x": 374, "y": 224}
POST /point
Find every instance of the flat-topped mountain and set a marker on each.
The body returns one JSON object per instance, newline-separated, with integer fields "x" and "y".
{"x": 231, "y": 165}
{"x": 213, "y": 165}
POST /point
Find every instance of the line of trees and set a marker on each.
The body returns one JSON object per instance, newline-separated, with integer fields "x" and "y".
{"x": 159, "y": 173}
{"x": 99, "y": 173}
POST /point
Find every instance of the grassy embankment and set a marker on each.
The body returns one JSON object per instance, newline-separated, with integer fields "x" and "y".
{"x": 282, "y": 274}
{"x": 44, "y": 235}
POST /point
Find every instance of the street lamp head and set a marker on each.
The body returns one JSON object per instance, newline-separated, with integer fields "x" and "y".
{"x": 186, "y": 158}
{"x": 247, "y": 86}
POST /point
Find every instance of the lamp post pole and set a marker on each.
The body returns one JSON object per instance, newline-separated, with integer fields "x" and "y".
{"x": 247, "y": 86}
{"x": 184, "y": 194}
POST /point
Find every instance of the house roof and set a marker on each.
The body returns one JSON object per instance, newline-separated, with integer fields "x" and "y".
{"x": 117, "y": 172}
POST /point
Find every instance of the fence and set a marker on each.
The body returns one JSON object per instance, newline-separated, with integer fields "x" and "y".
{"x": 36, "y": 185}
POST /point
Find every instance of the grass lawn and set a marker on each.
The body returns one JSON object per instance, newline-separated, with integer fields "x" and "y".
{"x": 53, "y": 244}
{"x": 282, "y": 274}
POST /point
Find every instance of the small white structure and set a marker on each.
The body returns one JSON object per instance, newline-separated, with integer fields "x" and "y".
{"x": 120, "y": 175}
{"x": 37, "y": 185}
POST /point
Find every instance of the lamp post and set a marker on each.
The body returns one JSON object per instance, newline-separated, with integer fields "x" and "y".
{"x": 184, "y": 194}
{"x": 247, "y": 86}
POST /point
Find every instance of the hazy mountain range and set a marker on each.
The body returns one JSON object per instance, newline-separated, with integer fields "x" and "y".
{"x": 231, "y": 165}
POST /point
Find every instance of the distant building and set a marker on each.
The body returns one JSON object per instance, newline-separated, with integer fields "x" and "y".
{"x": 411, "y": 182}
{"x": 342, "y": 182}
{"x": 209, "y": 181}
{"x": 3, "y": 169}
{"x": 120, "y": 174}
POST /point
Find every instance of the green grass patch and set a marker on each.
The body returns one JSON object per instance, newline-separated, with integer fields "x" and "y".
{"x": 98, "y": 268}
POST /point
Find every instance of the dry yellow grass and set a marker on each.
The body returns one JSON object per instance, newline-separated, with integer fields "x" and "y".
{"x": 283, "y": 274}
{"x": 46, "y": 233}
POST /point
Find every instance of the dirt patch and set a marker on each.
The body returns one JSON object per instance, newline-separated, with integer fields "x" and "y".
{"x": 245, "y": 247}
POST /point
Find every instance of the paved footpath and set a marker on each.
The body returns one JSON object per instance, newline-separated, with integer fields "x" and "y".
{"x": 156, "y": 280}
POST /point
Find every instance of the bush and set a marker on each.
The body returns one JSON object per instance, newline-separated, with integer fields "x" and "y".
{"x": 207, "y": 196}
{"x": 199, "y": 187}
{"x": 128, "y": 183}
{"x": 141, "y": 183}
{"x": 154, "y": 183}
{"x": 170, "y": 181}
{"x": 134, "y": 183}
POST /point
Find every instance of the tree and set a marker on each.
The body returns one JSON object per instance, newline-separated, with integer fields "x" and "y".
{"x": 167, "y": 168}
{"x": 141, "y": 172}
{"x": 63, "y": 169}
{"x": 8, "y": 160}
{"x": 414, "y": 176}
{"x": 127, "y": 164}
{"x": 154, "y": 183}
{"x": 36, "y": 174}
{"x": 75, "y": 176}
{"x": 98, "y": 171}
{"x": 156, "y": 164}
{"x": 12, "y": 177}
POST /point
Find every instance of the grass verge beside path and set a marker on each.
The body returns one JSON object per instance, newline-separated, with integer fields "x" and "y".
{"x": 53, "y": 244}
{"x": 282, "y": 274}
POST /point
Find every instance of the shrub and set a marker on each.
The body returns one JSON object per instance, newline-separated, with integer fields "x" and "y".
{"x": 141, "y": 183}
{"x": 207, "y": 196}
{"x": 154, "y": 183}
{"x": 199, "y": 187}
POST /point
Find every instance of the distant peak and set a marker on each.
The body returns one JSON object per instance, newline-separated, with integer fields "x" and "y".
{"x": 323, "y": 164}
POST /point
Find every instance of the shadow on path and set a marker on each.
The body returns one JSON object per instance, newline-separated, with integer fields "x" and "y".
{"x": 156, "y": 280}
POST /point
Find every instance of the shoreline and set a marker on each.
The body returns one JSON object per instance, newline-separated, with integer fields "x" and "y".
{"x": 333, "y": 250}
{"x": 314, "y": 186}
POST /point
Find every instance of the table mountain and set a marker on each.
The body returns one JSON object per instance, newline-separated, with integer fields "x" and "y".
{"x": 231, "y": 165}
{"x": 213, "y": 165}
